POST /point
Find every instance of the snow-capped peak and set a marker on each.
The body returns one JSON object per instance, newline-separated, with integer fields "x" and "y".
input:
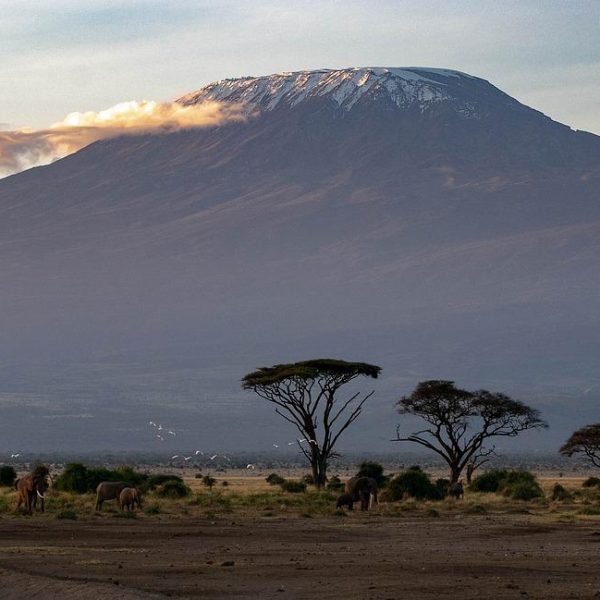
{"x": 345, "y": 87}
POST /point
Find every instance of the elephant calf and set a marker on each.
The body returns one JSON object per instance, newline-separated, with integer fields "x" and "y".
{"x": 128, "y": 498}
{"x": 345, "y": 500}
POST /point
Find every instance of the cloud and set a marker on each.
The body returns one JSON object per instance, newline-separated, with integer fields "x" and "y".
{"x": 26, "y": 148}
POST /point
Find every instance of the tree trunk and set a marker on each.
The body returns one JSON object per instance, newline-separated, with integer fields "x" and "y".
{"x": 319, "y": 469}
{"x": 454, "y": 473}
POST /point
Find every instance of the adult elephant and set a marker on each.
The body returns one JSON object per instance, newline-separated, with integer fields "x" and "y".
{"x": 32, "y": 487}
{"x": 109, "y": 490}
{"x": 363, "y": 489}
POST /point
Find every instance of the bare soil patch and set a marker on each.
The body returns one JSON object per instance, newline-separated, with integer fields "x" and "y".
{"x": 331, "y": 557}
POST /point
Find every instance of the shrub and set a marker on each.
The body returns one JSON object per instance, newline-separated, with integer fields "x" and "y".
{"x": 442, "y": 486}
{"x": 489, "y": 481}
{"x": 308, "y": 479}
{"x": 209, "y": 481}
{"x": 335, "y": 484}
{"x": 81, "y": 479}
{"x": 432, "y": 512}
{"x": 516, "y": 484}
{"x": 159, "y": 479}
{"x": 7, "y": 475}
{"x": 152, "y": 509}
{"x": 294, "y": 487}
{"x": 374, "y": 470}
{"x": 414, "y": 483}
{"x": 173, "y": 489}
{"x": 70, "y": 515}
{"x": 225, "y": 483}
{"x": 521, "y": 485}
{"x": 274, "y": 479}
{"x": 559, "y": 493}
{"x": 591, "y": 482}
{"x": 524, "y": 491}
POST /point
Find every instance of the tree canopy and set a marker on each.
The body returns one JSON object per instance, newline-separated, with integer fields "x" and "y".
{"x": 584, "y": 441}
{"x": 460, "y": 421}
{"x": 304, "y": 394}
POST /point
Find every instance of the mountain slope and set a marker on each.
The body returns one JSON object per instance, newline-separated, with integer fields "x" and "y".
{"x": 416, "y": 218}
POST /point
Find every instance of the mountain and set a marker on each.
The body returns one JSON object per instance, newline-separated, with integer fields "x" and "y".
{"x": 420, "y": 219}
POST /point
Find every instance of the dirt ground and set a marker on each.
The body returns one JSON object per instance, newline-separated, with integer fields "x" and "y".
{"x": 357, "y": 556}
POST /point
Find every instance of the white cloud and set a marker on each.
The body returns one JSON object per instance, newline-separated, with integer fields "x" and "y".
{"x": 27, "y": 148}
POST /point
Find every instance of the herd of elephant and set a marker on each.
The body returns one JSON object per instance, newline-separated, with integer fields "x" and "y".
{"x": 33, "y": 486}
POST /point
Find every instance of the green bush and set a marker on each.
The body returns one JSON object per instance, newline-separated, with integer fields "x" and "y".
{"x": 209, "y": 481}
{"x": 70, "y": 515}
{"x": 560, "y": 494}
{"x": 173, "y": 489}
{"x": 591, "y": 482}
{"x": 442, "y": 486}
{"x": 81, "y": 479}
{"x": 159, "y": 479}
{"x": 7, "y": 475}
{"x": 335, "y": 484}
{"x": 274, "y": 479}
{"x": 152, "y": 509}
{"x": 294, "y": 487}
{"x": 414, "y": 483}
{"x": 374, "y": 470}
{"x": 489, "y": 481}
{"x": 516, "y": 484}
{"x": 308, "y": 479}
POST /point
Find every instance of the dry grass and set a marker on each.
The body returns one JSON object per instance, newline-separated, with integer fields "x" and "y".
{"x": 252, "y": 496}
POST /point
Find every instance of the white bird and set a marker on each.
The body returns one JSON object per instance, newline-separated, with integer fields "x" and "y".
{"x": 186, "y": 458}
{"x": 312, "y": 442}
{"x": 174, "y": 457}
{"x": 15, "y": 455}
{"x": 152, "y": 423}
{"x": 250, "y": 466}
{"x": 171, "y": 432}
{"x": 275, "y": 446}
{"x": 291, "y": 443}
{"x": 302, "y": 440}
{"x": 160, "y": 427}
{"x": 213, "y": 456}
{"x": 199, "y": 452}
{"x": 160, "y": 437}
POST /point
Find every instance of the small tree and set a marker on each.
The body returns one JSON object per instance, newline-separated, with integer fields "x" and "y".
{"x": 304, "y": 394}
{"x": 584, "y": 441}
{"x": 460, "y": 422}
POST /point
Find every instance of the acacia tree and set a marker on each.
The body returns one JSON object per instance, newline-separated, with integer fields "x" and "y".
{"x": 585, "y": 441}
{"x": 461, "y": 422}
{"x": 304, "y": 394}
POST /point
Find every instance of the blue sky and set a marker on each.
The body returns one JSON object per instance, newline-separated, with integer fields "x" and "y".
{"x": 60, "y": 56}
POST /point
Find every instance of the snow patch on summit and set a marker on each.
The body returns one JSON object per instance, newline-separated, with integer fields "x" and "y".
{"x": 404, "y": 87}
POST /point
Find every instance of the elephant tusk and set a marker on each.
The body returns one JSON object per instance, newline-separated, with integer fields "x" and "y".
{"x": 40, "y": 495}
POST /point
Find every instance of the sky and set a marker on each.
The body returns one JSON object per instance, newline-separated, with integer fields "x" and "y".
{"x": 61, "y": 56}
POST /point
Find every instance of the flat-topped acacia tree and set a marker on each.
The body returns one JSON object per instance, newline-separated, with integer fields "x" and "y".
{"x": 304, "y": 394}
{"x": 584, "y": 441}
{"x": 459, "y": 422}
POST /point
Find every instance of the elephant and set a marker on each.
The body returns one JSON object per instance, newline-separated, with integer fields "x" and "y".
{"x": 31, "y": 487}
{"x": 109, "y": 490}
{"x": 363, "y": 489}
{"x": 345, "y": 500}
{"x": 128, "y": 498}
{"x": 457, "y": 490}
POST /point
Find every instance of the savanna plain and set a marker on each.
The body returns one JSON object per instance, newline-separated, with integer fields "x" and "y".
{"x": 249, "y": 539}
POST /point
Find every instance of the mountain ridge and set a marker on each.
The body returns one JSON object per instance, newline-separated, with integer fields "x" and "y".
{"x": 435, "y": 245}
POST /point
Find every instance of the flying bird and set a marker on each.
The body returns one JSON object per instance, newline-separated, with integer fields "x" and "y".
{"x": 171, "y": 432}
{"x": 15, "y": 455}
{"x": 174, "y": 457}
{"x": 213, "y": 456}
{"x": 186, "y": 458}
{"x": 199, "y": 452}
{"x": 250, "y": 466}
{"x": 275, "y": 446}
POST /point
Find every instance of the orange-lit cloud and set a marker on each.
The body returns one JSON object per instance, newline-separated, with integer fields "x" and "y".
{"x": 26, "y": 148}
